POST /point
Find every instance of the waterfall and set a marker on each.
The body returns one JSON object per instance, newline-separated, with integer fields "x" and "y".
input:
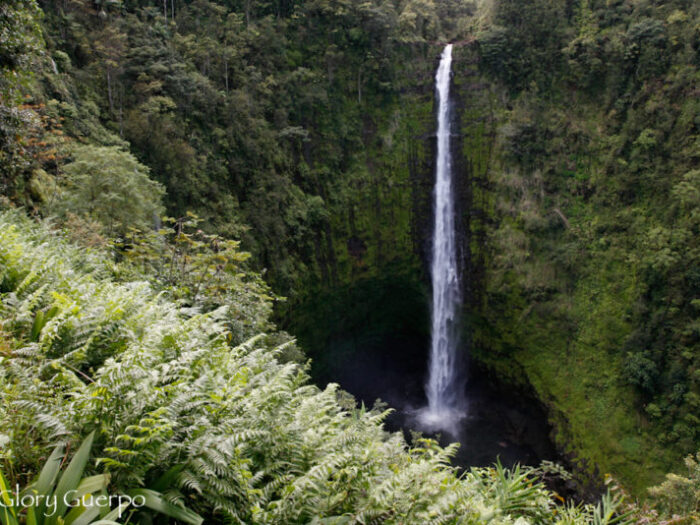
{"x": 444, "y": 388}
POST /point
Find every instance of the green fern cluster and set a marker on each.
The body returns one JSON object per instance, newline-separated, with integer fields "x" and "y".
{"x": 231, "y": 431}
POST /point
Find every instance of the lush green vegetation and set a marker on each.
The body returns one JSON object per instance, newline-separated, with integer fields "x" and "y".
{"x": 278, "y": 122}
{"x": 301, "y": 129}
{"x": 231, "y": 430}
{"x": 593, "y": 254}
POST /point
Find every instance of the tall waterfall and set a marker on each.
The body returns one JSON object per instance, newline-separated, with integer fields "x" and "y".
{"x": 444, "y": 388}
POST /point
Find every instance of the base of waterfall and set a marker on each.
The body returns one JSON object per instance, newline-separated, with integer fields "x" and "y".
{"x": 440, "y": 419}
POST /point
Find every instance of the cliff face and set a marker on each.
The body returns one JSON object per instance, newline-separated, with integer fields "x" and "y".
{"x": 548, "y": 305}
{"x": 580, "y": 290}
{"x": 540, "y": 316}
{"x": 373, "y": 303}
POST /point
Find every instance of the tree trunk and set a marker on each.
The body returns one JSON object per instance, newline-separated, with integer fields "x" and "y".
{"x": 109, "y": 91}
{"x": 121, "y": 113}
{"x": 359, "y": 86}
{"x": 226, "y": 74}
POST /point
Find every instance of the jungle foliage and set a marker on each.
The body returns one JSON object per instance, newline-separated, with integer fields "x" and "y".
{"x": 593, "y": 245}
{"x": 257, "y": 116}
{"x": 301, "y": 129}
{"x": 170, "y": 405}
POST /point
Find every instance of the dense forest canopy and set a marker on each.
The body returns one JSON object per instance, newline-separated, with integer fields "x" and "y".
{"x": 291, "y": 142}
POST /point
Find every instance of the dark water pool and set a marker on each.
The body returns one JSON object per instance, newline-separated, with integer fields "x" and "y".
{"x": 496, "y": 427}
{"x": 500, "y": 424}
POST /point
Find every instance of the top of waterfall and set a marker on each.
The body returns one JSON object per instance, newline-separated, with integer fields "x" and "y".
{"x": 443, "y": 71}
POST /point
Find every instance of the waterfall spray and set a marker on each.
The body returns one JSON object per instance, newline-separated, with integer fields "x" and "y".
{"x": 444, "y": 389}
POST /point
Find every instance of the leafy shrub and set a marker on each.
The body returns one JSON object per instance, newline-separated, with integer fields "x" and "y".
{"x": 72, "y": 499}
{"x": 21, "y": 45}
{"x": 641, "y": 371}
{"x": 110, "y": 186}
{"x": 499, "y": 52}
{"x": 646, "y": 51}
{"x": 680, "y": 495}
{"x": 202, "y": 270}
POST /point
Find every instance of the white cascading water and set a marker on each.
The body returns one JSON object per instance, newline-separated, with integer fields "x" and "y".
{"x": 444, "y": 389}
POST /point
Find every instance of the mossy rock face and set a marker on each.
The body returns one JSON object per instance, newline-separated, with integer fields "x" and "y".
{"x": 553, "y": 288}
{"x": 532, "y": 325}
{"x": 365, "y": 294}
{"x": 535, "y": 327}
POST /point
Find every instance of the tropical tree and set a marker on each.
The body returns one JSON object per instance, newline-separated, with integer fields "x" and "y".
{"x": 109, "y": 185}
